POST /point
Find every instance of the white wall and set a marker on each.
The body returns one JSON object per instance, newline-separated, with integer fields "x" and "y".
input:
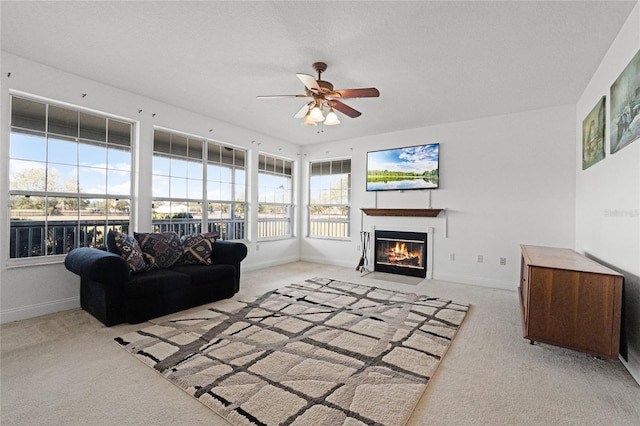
{"x": 505, "y": 181}
{"x": 608, "y": 194}
{"x": 27, "y": 290}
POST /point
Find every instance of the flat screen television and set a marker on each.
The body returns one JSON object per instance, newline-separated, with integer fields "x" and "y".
{"x": 401, "y": 169}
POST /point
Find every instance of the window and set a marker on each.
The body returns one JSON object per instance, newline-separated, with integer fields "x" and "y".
{"x": 69, "y": 178}
{"x": 226, "y": 191}
{"x": 198, "y": 186}
{"x": 275, "y": 197}
{"x": 330, "y": 198}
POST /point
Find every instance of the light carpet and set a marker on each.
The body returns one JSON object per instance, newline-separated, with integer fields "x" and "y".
{"x": 318, "y": 352}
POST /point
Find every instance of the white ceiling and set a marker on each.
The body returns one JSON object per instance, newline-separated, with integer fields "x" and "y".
{"x": 433, "y": 62}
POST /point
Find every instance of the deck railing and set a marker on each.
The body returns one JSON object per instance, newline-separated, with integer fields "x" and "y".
{"x": 329, "y": 220}
{"x": 229, "y": 229}
{"x": 274, "y": 227}
{"x": 29, "y": 238}
{"x": 329, "y": 228}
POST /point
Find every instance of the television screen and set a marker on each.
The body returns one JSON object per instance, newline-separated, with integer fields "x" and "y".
{"x": 398, "y": 169}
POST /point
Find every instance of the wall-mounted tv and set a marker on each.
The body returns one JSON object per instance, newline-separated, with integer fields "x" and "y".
{"x": 400, "y": 169}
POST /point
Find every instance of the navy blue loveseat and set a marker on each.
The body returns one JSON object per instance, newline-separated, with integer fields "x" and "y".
{"x": 113, "y": 294}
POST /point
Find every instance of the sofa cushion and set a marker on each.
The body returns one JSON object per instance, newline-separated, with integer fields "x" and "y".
{"x": 206, "y": 275}
{"x": 161, "y": 249}
{"x": 156, "y": 284}
{"x": 125, "y": 246}
{"x": 154, "y": 294}
{"x": 196, "y": 250}
{"x": 209, "y": 282}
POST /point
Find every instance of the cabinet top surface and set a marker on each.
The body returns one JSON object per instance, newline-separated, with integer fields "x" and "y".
{"x": 562, "y": 258}
{"x": 402, "y": 212}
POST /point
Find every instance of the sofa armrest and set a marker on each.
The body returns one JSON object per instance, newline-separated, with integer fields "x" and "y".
{"x": 103, "y": 278}
{"x": 97, "y": 265}
{"x": 229, "y": 253}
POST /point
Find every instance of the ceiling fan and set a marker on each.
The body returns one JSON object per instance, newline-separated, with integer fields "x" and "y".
{"x": 324, "y": 96}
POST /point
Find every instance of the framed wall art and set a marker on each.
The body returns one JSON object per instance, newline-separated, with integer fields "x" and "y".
{"x": 593, "y": 135}
{"x": 624, "y": 121}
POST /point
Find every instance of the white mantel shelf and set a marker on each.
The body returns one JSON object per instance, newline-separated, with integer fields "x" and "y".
{"x": 403, "y": 212}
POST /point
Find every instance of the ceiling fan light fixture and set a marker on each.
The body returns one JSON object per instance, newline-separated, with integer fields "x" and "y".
{"x": 332, "y": 118}
{"x": 322, "y": 96}
{"x": 308, "y": 121}
{"x": 316, "y": 114}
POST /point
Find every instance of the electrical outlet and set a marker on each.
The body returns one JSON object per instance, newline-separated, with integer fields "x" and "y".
{"x": 480, "y": 258}
{"x": 452, "y": 256}
{"x": 503, "y": 261}
{"x": 257, "y": 247}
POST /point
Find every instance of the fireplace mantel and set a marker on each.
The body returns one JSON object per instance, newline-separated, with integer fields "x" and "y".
{"x": 403, "y": 212}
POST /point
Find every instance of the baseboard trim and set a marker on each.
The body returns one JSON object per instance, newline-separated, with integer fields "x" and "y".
{"x": 333, "y": 262}
{"x": 483, "y": 282}
{"x": 635, "y": 372}
{"x": 267, "y": 264}
{"x": 478, "y": 281}
{"x": 38, "y": 309}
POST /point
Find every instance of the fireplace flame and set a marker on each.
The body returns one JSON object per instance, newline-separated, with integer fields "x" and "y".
{"x": 400, "y": 253}
{"x": 400, "y": 250}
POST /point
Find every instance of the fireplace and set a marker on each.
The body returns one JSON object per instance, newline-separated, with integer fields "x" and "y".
{"x": 403, "y": 253}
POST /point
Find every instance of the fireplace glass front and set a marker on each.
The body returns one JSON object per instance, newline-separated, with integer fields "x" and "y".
{"x": 403, "y": 253}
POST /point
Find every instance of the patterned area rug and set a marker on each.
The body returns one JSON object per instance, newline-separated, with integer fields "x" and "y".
{"x": 321, "y": 352}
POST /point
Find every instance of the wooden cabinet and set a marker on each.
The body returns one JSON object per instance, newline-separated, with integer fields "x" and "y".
{"x": 570, "y": 300}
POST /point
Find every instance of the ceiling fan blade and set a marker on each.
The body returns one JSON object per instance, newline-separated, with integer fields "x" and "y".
{"x": 344, "y": 108}
{"x": 303, "y": 111}
{"x": 281, "y": 96}
{"x": 309, "y": 82}
{"x": 369, "y": 92}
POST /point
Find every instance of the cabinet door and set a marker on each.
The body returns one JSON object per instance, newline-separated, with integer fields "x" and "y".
{"x": 595, "y": 316}
{"x": 553, "y": 305}
{"x": 571, "y": 309}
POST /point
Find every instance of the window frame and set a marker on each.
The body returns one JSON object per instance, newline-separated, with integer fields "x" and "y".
{"x": 276, "y": 168}
{"x": 233, "y": 227}
{"x": 82, "y": 136}
{"x": 336, "y": 222}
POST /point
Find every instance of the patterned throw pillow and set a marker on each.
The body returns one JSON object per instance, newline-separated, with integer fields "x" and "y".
{"x": 211, "y": 236}
{"x": 196, "y": 250}
{"x": 128, "y": 248}
{"x": 161, "y": 249}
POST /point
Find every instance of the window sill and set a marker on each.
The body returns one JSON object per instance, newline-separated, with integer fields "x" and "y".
{"x": 340, "y": 239}
{"x": 34, "y": 261}
{"x": 269, "y": 239}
